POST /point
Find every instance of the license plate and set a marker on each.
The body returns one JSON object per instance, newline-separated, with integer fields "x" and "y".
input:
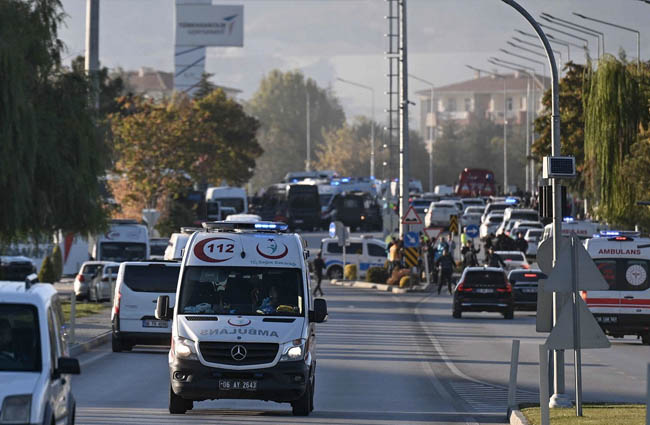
{"x": 607, "y": 319}
{"x": 484, "y": 290}
{"x": 298, "y": 220}
{"x": 530, "y": 290}
{"x": 237, "y": 385}
{"x": 155, "y": 323}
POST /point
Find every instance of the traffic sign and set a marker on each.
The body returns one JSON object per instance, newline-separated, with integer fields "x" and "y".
{"x": 332, "y": 229}
{"x": 589, "y": 277}
{"x": 411, "y": 217}
{"x": 411, "y": 240}
{"x": 545, "y": 253}
{"x": 453, "y": 224}
{"x": 471, "y": 231}
{"x": 433, "y": 232}
{"x": 411, "y": 256}
{"x": 591, "y": 335}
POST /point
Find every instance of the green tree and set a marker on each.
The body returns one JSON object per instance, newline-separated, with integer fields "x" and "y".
{"x": 205, "y": 86}
{"x": 110, "y": 88}
{"x": 280, "y": 104}
{"x": 51, "y": 154}
{"x": 57, "y": 262}
{"x": 47, "y": 273}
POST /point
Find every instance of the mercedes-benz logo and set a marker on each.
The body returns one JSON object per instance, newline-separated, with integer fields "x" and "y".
{"x": 238, "y": 352}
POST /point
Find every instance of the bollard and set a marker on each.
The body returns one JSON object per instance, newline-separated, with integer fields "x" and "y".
{"x": 512, "y": 387}
{"x": 73, "y": 312}
{"x": 543, "y": 384}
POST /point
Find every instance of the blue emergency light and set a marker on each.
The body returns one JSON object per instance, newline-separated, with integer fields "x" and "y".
{"x": 345, "y": 180}
{"x": 511, "y": 201}
{"x": 261, "y": 225}
{"x": 568, "y": 219}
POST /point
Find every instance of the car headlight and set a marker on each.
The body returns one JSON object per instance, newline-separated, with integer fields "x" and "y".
{"x": 294, "y": 350}
{"x": 16, "y": 409}
{"x": 184, "y": 348}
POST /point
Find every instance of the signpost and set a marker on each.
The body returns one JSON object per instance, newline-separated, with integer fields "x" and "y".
{"x": 453, "y": 224}
{"x": 411, "y": 217}
{"x": 471, "y": 231}
{"x": 433, "y": 232}
{"x": 411, "y": 243}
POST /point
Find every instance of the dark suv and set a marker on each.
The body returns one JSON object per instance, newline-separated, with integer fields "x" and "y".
{"x": 483, "y": 289}
{"x": 524, "y": 287}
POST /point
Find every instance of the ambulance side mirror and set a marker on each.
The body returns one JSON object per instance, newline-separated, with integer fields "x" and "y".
{"x": 319, "y": 314}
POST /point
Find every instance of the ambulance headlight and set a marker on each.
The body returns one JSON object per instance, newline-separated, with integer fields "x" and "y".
{"x": 184, "y": 348}
{"x": 16, "y": 409}
{"x": 294, "y": 350}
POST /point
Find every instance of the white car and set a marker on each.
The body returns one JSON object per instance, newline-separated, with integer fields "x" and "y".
{"x": 513, "y": 259}
{"x": 470, "y": 218}
{"x": 101, "y": 285}
{"x": 365, "y": 252}
{"x": 533, "y": 237}
{"x": 490, "y": 224}
{"x": 473, "y": 202}
{"x": 138, "y": 286}
{"x": 87, "y": 272}
{"x": 35, "y": 384}
{"x": 439, "y": 214}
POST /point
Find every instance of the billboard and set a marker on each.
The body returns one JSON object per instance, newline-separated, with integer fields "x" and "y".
{"x": 209, "y": 25}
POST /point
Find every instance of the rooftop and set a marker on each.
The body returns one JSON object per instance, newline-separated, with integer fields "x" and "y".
{"x": 487, "y": 84}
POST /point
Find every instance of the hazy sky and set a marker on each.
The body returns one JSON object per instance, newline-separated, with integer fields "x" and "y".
{"x": 327, "y": 39}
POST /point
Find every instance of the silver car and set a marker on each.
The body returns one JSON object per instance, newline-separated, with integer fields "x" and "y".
{"x": 82, "y": 280}
{"x": 101, "y": 285}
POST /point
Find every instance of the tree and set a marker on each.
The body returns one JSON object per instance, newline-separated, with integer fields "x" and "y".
{"x": 614, "y": 109}
{"x": 57, "y": 262}
{"x": 110, "y": 87}
{"x": 47, "y": 274}
{"x": 51, "y": 154}
{"x": 205, "y": 86}
{"x": 280, "y": 104}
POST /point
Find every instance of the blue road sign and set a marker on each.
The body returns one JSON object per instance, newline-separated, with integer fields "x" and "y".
{"x": 471, "y": 231}
{"x": 332, "y": 230}
{"x": 411, "y": 240}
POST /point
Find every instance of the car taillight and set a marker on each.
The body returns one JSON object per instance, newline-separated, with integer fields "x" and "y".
{"x": 80, "y": 278}
{"x": 583, "y": 295}
{"x": 460, "y": 287}
{"x": 508, "y": 288}
{"x": 116, "y": 304}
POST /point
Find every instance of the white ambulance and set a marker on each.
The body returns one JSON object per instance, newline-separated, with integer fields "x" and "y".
{"x": 244, "y": 318}
{"x": 126, "y": 240}
{"x": 624, "y": 260}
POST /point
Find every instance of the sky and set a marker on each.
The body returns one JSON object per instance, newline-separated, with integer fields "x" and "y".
{"x": 330, "y": 39}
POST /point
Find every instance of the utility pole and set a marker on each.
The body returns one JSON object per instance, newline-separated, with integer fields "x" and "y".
{"x": 403, "y": 119}
{"x": 91, "y": 65}
{"x": 308, "y": 162}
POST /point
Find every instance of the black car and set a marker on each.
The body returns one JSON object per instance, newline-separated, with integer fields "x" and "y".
{"x": 483, "y": 289}
{"x": 524, "y": 287}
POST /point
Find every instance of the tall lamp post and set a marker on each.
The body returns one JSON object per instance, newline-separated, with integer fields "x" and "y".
{"x": 431, "y": 128}
{"x": 372, "y": 124}
{"x": 638, "y": 35}
{"x": 505, "y": 124}
{"x": 574, "y": 27}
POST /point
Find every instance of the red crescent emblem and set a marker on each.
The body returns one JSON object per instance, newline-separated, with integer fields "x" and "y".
{"x": 273, "y": 257}
{"x": 200, "y": 253}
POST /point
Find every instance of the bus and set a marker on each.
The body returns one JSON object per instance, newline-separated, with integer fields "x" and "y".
{"x": 476, "y": 182}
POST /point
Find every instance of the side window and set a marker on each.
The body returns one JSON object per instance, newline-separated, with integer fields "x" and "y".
{"x": 634, "y": 276}
{"x": 334, "y": 248}
{"x": 375, "y": 250}
{"x": 608, "y": 270}
{"x": 354, "y": 248}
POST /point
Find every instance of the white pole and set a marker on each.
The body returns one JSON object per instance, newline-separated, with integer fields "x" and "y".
{"x": 308, "y": 162}
{"x": 647, "y": 392}
{"x": 543, "y": 384}
{"x": 403, "y": 119}
{"x": 372, "y": 135}
{"x": 92, "y": 47}
{"x": 514, "y": 365}
{"x": 528, "y": 185}
{"x": 505, "y": 138}
{"x": 431, "y": 132}
{"x": 576, "y": 326}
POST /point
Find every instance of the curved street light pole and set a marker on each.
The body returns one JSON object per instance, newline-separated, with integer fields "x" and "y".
{"x": 372, "y": 119}
{"x": 505, "y": 124}
{"x": 559, "y": 397}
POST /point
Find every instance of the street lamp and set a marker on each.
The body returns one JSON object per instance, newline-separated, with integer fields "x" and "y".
{"x": 553, "y": 39}
{"x": 574, "y": 27}
{"x": 638, "y": 35}
{"x": 533, "y": 52}
{"x": 525, "y": 58}
{"x": 431, "y": 129}
{"x": 537, "y": 46}
{"x": 372, "y": 123}
{"x": 505, "y": 125}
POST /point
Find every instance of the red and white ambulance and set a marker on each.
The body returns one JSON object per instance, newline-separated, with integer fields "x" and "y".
{"x": 623, "y": 258}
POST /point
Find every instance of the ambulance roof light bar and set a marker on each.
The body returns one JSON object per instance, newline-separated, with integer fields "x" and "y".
{"x": 234, "y": 226}
{"x": 614, "y": 233}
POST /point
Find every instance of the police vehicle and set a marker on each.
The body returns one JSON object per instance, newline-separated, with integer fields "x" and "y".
{"x": 244, "y": 318}
{"x": 364, "y": 251}
{"x": 623, "y": 258}
{"x": 34, "y": 364}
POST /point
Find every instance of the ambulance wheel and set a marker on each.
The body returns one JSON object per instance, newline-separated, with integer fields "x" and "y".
{"x": 302, "y": 406}
{"x": 178, "y": 405}
{"x": 335, "y": 272}
{"x": 645, "y": 339}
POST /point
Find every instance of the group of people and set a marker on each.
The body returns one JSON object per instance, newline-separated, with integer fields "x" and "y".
{"x": 504, "y": 242}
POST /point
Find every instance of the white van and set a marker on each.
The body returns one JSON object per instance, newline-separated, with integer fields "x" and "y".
{"x": 244, "y": 318}
{"x": 126, "y": 240}
{"x": 584, "y": 229}
{"x": 35, "y": 384}
{"x": 224, "y": 200}
{"x": 365, "y": 252}
{"x": 137, "y": 288}
{"x": 623, "y": 258}
{"x": 176, "y": 245}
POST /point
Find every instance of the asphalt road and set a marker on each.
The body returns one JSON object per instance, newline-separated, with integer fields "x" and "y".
{"x": 375, "y": 366}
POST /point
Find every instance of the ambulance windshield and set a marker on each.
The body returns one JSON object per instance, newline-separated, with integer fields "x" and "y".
{"x": 265, "y": 291}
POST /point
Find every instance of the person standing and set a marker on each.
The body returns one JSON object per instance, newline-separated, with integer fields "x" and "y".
{"x": 446, "y": 265}
{"x": 319, "y": 266}
{"x": 495, "y": 260}
{"x": 521, "y": 243}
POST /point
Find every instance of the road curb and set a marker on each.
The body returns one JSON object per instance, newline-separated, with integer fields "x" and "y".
{"x": 517, "y": 417}
{"x": 83, "y": 347}
{"x": 368, "y": 285}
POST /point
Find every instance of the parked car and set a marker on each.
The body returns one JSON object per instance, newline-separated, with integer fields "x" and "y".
{"x": 490, "y": 224}
{"x": 533, "y": 237}
{"x": 524, "y": 287}
{"x": 513, "y": 259}
{"x": 100, "y": 286}
{"x": 87, "y": 272}
{"x": 16, "y": 267}
{"x": 483, "y": 289}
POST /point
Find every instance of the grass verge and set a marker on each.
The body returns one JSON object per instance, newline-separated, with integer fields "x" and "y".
{"x": 83, "y": 309}
{"x": 592, "y": 414}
